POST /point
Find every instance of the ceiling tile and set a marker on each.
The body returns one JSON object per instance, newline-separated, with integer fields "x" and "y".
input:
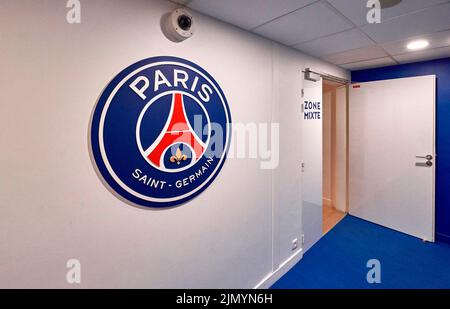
{"x": 306, "y": 24}
{"x": 356, "y": 10}
{"x": 182, "y": 2}
{"x": 430, "y": 54}
{"x": 336, "y": 43}
{"x": 438, "y": 39}
{"x": 317, "y": 28}
{"x": 357, "y": 55}
{"x": 430, "y": 20}
{"x": 249, "y": 13}
{"x": 369, "y": 64}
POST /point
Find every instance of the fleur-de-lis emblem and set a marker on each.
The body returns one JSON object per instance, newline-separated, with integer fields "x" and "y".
{"x": 178, "y": 157}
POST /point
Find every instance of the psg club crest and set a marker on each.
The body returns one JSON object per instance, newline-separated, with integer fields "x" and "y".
{"x": 160, "y": 132}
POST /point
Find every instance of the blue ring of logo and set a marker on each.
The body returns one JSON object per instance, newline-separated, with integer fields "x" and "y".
{"x": 151, "y": 133}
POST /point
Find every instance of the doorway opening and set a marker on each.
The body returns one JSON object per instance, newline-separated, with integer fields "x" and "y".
{"x": 335, "y": 153}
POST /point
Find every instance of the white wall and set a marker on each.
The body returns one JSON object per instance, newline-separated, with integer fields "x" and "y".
{"x": 328, "y": 135}
{"x": 54, "y": 207}
{"x": 335, "y": 147}
{"x": 341, "y": 149}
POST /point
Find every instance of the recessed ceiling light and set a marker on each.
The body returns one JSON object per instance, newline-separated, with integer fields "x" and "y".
{"x": 415, "y": 45}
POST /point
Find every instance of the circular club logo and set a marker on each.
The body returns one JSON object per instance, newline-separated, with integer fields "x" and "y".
{"x": 160, "y": 132}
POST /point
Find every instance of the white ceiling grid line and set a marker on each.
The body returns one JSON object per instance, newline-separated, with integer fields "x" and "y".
{"x": 337, "y": 30}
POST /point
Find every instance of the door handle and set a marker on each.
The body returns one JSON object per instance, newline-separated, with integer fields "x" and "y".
{"x": 429, "y": 162}
{"x": 427, "y": 157}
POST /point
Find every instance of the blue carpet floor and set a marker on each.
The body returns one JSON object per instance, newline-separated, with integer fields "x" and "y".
{"x": 339, "y": 260}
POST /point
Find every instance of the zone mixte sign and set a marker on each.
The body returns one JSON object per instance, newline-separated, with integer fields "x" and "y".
{"x": 160, "y": 132}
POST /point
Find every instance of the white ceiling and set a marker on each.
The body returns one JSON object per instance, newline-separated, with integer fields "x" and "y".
{"x": 337, "y": 30}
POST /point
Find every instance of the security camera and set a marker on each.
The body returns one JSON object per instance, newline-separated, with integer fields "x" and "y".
{"x": 178, "y": 25}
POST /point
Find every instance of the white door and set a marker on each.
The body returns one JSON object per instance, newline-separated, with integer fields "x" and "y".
{"x": 391, "y": 180}
{"x": 312, "y": 162}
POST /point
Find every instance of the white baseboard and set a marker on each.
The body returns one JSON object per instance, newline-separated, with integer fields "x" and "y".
{"x": 273, "y": 277}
